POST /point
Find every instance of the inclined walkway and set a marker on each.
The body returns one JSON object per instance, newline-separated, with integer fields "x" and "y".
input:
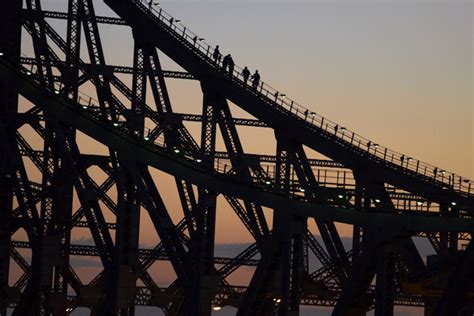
{"x": 278, "y": 111}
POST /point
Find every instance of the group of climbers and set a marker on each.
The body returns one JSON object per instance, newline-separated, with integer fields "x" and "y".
{"x": 228, "y": 66}
{"x": 228, "y": 63}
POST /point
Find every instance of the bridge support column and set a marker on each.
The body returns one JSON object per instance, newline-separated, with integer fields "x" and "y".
{"x": 385, "y": 286}
{"x": 10, "y": 40}
{"x": 121, "y": 286}
{"x": 291, "y": 231}
{"x": 204, "y": 281}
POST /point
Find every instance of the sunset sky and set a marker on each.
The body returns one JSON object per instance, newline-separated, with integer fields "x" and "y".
{"x": 399, "y": 72}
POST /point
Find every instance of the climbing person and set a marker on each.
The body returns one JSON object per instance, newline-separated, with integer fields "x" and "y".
{"x": 246, "y": 74}
{"x": 225, "y": 62}
{"x": 255, "y": 79}
{"x": 276, "y": 96}
{"x": 231, "y": 65}
{"x": 171, "y": 22}
{"x": 216, "y": 55}
{"x": 195, "y": 40}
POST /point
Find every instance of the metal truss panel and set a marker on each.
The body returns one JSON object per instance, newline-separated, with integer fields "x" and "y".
{"x": 386, "y": 197}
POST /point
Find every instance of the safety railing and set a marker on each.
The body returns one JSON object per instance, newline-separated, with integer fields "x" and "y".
{"x": 326, "y": 177}
{"x": 314, "y": 121}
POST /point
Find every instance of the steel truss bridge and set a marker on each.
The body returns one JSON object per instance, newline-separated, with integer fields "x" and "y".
{"x": 48, "y": 187}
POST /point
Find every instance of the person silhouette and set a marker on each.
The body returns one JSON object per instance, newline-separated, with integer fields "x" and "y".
{"x": 195, "y": 40}
{"x": 231, "y": 65}
{"x": 255, "y": 79}
{"x": 216, "y": 55}
{"x": 246, "y": 74}
{"x": 225, "y": 62}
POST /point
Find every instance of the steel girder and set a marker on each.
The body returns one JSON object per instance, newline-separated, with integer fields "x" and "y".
{"x": 141, "y": 134}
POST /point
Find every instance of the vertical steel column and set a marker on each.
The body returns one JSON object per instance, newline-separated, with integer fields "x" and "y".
{"x": 49, "y": 247}
{"x": 46, "y": 249}
{"x": 135, "y": 119}
{"x": 444, "y": 236}
{"x": 299, "y": 228}
{"x": 204, "y": 278}
{"x": 62, "y": 184}
{"x": 122, "y": 288}
{"x": 10, "y": 41}
{"x": 208, "y": 130}
{"x": 281, "y": 227}
{"x": 385, "y": 286}
{"x": 356, "y": 229}
{"x": 453, "y": 236}
{"x": 73, "y": 42}
{"x": 204, "y": 283}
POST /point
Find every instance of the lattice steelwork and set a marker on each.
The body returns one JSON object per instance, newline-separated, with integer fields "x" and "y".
{"x": 49, "y": 188}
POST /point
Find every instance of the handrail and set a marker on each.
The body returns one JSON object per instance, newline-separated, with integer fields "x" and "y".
{"x": 312, "y": 120}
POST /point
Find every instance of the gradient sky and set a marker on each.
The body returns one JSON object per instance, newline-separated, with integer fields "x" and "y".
{"x": 397, "y": 72}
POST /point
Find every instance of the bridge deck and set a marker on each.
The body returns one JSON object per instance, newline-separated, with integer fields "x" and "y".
{"x": 310, "y": 129}
{"x": 218, "y": 179}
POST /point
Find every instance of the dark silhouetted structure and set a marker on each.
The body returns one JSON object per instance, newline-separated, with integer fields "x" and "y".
{"x": 53, "y": 191}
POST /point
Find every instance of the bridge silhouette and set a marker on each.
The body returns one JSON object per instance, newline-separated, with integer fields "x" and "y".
{"x": 387, "y": 197}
